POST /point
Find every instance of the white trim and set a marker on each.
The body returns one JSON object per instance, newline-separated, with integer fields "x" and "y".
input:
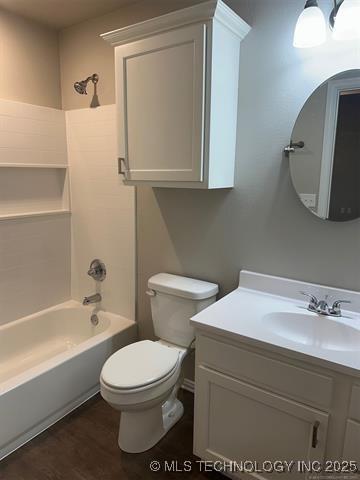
{"x": 331, "y": 114}
{"x": 188, "y": 385}
{"x": 202, "y": 12}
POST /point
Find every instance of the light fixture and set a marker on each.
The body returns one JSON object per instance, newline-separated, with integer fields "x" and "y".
{"x": 310, "y": 30}
{"x": 346, "y": 20}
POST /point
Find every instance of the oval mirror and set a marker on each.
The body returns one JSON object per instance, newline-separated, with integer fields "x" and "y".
{"x": 325, "y": 149}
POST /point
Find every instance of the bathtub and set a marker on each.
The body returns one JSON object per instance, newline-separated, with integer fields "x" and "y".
{"x": 50, "y": 363}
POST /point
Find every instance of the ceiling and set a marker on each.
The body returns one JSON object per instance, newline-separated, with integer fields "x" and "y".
{"x": 62, "y": 13}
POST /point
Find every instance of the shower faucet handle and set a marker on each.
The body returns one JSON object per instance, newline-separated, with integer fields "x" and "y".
{"x": 97, "y": 270}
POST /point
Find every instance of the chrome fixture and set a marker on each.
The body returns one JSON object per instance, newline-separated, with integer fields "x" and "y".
{"x": 293, "y": 146}
{"x": 96, "y": 298}
{"x": 310, "y": 30}
{"x": 94, "y": 319}
{"x": 321, "y": 306}
{"x": 81, "y": 86}
{"x": 97, "y": 270}
{"x": 336, "y": 308}
{"x": 121, "y": 163}
{"x": 334, "y": 12}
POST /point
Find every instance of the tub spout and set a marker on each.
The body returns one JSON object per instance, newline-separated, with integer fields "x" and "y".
{"x": 92, "y": 299}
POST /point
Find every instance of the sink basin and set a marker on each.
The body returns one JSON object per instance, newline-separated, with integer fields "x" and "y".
{"x": 313, "y": 330}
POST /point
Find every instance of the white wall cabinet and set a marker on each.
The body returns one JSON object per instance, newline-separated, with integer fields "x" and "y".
{"x": 255, "y": 406}
{"x": 177, "y": 94}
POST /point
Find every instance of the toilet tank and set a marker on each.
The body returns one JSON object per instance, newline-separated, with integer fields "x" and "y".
{"x": 174, "y": 300}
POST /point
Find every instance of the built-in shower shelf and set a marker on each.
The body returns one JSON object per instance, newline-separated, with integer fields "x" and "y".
{"x": 33, "y": 165}
{"x": 33, "y": 192}
{"x": 44, "y": 213}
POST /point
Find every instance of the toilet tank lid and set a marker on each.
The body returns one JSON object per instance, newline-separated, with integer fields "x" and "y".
{"x": 184, "y": 287}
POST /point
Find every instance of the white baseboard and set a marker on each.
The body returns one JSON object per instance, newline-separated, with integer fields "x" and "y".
{"x": 188, "y": 385}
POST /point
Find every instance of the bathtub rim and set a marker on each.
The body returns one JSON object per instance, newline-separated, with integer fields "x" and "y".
{"x": 117, "y": 324}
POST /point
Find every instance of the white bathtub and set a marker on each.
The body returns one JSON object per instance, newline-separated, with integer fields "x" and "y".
{"x": 50, "y": 363}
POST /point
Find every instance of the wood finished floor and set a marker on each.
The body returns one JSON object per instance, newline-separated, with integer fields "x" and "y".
{"x": 83, "y": 446}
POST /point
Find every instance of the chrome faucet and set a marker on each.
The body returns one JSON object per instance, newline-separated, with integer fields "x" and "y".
{"x": 321, "y": 306}
{"x": 92, "y": 299}
{"x": 97, "y": 270}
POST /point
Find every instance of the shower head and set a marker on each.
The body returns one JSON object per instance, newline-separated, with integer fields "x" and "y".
{"x": 80, "y": 86}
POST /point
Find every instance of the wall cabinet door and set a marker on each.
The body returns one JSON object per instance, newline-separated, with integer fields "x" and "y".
{"x": 236, "y": 421}
{"x": 160, "y": 97}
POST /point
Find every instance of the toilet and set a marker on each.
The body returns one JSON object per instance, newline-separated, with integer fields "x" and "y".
{"x": 141, "y": 380}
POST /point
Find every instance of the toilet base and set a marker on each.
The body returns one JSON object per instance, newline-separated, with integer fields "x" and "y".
{"x": 141, "y": 430}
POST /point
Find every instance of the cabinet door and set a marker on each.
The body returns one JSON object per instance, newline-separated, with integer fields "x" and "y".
{"x": 235, "y": 421}
{"x": 352, "y": 442}
{"x": 160, "y": 97}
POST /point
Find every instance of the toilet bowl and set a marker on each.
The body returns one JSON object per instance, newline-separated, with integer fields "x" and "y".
{"x": 141, "y": 380}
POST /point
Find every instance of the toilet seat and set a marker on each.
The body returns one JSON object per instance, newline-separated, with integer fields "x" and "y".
{"x": 139, "y": 366}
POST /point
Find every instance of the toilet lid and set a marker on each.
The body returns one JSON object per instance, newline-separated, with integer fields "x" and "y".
{"x": 139, "y": 364}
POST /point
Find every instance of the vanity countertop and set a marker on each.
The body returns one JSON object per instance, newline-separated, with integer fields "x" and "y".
{"x": 273, "y": 314}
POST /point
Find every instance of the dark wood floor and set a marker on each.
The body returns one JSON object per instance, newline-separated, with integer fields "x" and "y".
{"x": 83, "y": 446}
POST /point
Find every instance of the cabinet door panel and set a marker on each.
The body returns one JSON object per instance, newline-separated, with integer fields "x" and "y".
{"x": 237, "y": 421}
{"x": 352, "y": 442}
{"x": 161, "y": 98}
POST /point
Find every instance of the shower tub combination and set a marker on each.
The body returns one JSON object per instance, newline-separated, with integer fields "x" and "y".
{"x": 50, "y": 363}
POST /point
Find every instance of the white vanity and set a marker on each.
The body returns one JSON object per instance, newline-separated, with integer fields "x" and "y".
{"x": 275, "y": 381}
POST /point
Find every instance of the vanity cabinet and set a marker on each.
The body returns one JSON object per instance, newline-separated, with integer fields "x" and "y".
{"x": 176, "y": 95}
{"x": 243, "y": 422}
{"x": 254, "y": 405}
{"x": 352, "y": 441}
{"x": 352, "y": 432}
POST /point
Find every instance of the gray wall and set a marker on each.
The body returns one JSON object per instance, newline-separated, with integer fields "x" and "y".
{"x": 83, "y": 52}
{"x": 29, "y": 59}
{"x": 260, "y": 224}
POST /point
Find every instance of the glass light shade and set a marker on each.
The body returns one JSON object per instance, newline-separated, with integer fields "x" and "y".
{"x": 310, "y": 30}
{"x": 347, "y": 21}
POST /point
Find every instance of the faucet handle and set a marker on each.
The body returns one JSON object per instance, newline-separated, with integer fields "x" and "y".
{"x": 97, "y": 270}
{"x": 335, "y": 309}
{"x": 313, "y": 300}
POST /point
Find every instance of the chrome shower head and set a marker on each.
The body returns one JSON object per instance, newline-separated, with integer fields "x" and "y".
{"x": 80, "y": 86}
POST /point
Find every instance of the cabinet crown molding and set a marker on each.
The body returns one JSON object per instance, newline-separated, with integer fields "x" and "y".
{"x": 202, "y": 12}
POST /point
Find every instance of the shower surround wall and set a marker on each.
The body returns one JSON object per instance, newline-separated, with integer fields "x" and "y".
{"x": 34, "y": 250}
{"x": 44, "y": 257}
{"x": 103, "y": 218}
